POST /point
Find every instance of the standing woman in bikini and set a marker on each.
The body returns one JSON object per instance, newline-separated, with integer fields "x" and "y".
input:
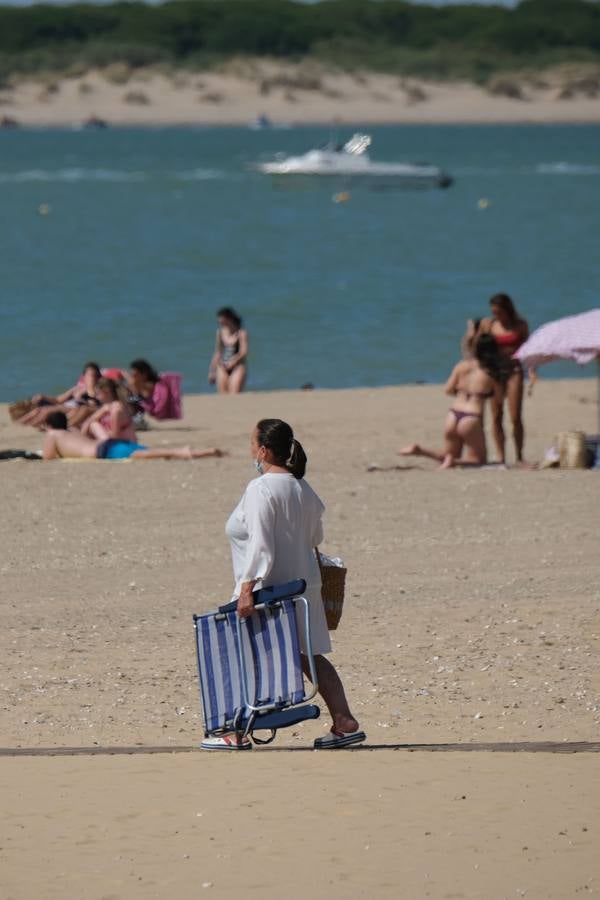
{"x": 472, "y": 382}
{"x": 509, "y": 331}
{"x": 228, "y": 365}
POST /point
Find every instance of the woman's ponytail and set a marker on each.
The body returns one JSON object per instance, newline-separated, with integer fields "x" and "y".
{"x": 296, "y": 462}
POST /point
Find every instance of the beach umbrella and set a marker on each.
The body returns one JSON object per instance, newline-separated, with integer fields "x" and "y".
{"x": 575, "y": 337}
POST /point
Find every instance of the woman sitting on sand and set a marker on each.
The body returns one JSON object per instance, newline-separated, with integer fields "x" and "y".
{"x": 472, "y": 382}
{"x": 79, "y": 402}
{"x": 60, "y": 443}
{"x": 151, "y": 392}
{"x": 113, "y": 420}
{"x": 228, "y": 365}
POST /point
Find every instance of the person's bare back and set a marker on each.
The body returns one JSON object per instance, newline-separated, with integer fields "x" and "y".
{"x": 61, "y": 444}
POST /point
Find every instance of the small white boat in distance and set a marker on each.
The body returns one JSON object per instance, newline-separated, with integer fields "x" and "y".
{"x": 351, "y": 160}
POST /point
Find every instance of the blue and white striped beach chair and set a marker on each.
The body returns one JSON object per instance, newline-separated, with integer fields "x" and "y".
{"x": 250, "y": 669}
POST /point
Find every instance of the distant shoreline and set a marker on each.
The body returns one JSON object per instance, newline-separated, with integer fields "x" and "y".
{"x": 124, "y": 98}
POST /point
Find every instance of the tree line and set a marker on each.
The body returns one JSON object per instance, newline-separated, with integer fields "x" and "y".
{"x": 383, "y": 34}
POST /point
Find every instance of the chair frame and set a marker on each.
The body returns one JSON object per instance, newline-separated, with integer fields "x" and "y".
{"x": 273, "y": 714}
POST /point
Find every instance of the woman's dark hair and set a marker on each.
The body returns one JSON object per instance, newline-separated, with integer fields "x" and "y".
{"x": 503, "y": 302}
{"x": 491, "y": 360}
{"x": 278, "y": 437}
{"x": 94, "y": 366}
{"x": 226, "y": 312}
{"x": 57, "y": 420}
{"x": 144, "y": 368}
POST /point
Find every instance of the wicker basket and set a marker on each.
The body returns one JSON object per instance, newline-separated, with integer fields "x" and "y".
{"x": 333, "y": 580}
{"x": 572, "y": 449}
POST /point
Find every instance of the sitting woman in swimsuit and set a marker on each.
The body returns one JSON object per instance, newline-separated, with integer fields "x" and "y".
{"x": 113, "y": 420}
{"x": 509, "y": 331}
{"x": 79, "y": 402}
{"x": 60, "y": 443}
{"x": 228, "y": 366}
{"x": 472, "y": 382}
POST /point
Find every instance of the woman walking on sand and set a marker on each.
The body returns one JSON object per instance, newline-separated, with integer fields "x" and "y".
{"x": 273, "y": 532}
{"x": 472, "y": 382}
{"x": 228, "y": 367}
{"x": 509, "y": 330}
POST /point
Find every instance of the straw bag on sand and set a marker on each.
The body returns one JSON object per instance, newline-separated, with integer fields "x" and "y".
{"x": 572, "y": 450}
{"x": 333, "y": 580}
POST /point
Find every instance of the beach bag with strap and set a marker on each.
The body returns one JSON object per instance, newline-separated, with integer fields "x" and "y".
{"x": 333, "y": 580}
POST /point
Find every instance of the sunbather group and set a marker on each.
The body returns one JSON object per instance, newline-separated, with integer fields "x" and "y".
{"x": 96, "y": 419}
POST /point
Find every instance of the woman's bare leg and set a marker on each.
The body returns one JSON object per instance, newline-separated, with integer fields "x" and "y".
{"x": 452, "y": 445}
{"x": 176, "y": 453}
{"x": 514, "y": 394}
{"x": 473, "y": 436}
{"x": 237, "y": 379}
{"x": 417, "y": 450}
{"x": 498, "y": 428}
{"x": 98, "y": 431}
{"x": 453, "y": 441}
{"x": 332, "y": 691}
{"x": 37, "y": 417}
{"x": 77, "y": 416}
{"x": 222, "y": 380}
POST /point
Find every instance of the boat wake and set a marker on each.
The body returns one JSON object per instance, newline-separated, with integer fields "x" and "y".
{"x": 116, "y": 176}
{"x": 565, "y": 168}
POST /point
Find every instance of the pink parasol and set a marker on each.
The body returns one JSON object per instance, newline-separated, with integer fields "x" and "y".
{"x": 575, "y": 337}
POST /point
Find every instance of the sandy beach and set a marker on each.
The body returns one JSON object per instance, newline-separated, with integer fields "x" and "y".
{"x": 471, "y": 619}
{"x": 292, "y": 94}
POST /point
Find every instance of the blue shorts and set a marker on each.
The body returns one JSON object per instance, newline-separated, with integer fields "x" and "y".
{"x": 114, "y": 449}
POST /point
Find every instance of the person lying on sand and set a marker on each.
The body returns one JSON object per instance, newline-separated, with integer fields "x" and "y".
{"x": 78, "y": 403}
{"x": 473, "y": 382}
{"x": 62, "y": 444}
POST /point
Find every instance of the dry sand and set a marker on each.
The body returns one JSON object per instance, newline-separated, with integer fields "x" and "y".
{"x": 472, "y": 616}
{"x": 304, "y": 93}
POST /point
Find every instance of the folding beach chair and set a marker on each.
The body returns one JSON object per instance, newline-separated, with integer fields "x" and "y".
{"x": 250, "y": 669}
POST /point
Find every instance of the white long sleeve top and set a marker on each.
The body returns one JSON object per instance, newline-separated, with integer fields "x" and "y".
{"x": 273, "y": 530}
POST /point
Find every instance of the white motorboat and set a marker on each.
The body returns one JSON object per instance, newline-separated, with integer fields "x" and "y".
{"x": 351, "y": 160}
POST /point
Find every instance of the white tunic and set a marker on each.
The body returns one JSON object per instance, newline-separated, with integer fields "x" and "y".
{"x": 272, "y": 532}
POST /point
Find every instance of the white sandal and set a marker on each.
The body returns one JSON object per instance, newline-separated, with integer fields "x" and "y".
{"x": 225, "y": 742}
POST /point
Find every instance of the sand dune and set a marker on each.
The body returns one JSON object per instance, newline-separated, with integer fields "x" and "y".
{"x": 299, "y": 94}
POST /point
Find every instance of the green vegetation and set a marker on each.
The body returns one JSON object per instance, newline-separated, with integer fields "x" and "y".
{"x": 472, "y": 42}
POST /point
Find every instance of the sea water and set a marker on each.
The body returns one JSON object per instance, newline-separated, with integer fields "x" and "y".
{"x": 123, "y": 243}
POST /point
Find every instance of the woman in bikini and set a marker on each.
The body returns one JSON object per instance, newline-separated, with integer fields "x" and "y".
{"x": 472, "y": 382}
{"x": 228, "y": 365}
{"x": 113, "y": 420}
{"x": 509, "y": 331}
{"x": 79, "y": 402}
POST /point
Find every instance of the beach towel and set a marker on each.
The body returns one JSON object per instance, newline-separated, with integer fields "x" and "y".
{"x": 165, "y": 402}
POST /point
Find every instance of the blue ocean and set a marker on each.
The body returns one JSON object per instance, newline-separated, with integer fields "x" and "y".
{"x": 123, "y": 243}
